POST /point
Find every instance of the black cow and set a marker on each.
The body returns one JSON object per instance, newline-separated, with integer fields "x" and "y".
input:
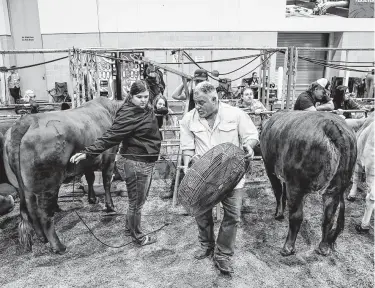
{"x": 307, "y": 152}
{"x": 38, "y": 148}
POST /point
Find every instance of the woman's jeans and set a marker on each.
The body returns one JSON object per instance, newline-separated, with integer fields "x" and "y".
{"x": 138, "y": 176}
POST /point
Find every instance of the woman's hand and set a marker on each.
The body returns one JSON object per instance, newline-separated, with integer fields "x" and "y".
{"x": 258, "y": 111}
{"x": 340, "y": 112}
{"x": 76, "y": 158}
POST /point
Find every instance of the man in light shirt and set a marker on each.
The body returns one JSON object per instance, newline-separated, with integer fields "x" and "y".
{"x": 209, "y": 124}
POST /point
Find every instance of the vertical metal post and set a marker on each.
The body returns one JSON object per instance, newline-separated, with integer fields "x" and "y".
{"x": 212, "y": 54}
{"x": 71, "y": 70}
{"x": 3, "y": 80}
{"x": 285, "y": 78}
{"x": 83, "y": 72}
{"x": 294, "y": 73}
{"x": 118, "y": 65}
{"x": 329, "y": 55}
{"x": 97, "y": 81}
{"x": 346, "y": 77}
{"x": 166, "y": 75}
{"x": 268, "y": 83}
{"x": 290, "y": 75}
{"x": 179, "y": 157}
{"x": 263, "y": 77}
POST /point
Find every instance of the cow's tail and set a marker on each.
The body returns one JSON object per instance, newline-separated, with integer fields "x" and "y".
{"x": 344, "y": 140}
{"x": 24, "y": 228}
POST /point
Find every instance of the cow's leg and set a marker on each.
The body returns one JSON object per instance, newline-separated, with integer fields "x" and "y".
{"x": 24, "y": 227}
{"x": 56, "y": 199}
{"x": 90, "y": 178}
{"x": 331, "y": 201}
{"x": 32, "y": 208}
{"x": 357, "y": 177}
{"x": 107, "y": 173}
{"x": 369, "y": 208}
{"x": 277, "y": 187}
{"x": 295, "y": 205}
{"x": 45, "y": 202}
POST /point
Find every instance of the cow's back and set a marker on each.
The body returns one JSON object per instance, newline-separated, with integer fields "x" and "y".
{"x": 307, "y": 148}
{"x": 45, "y": 142}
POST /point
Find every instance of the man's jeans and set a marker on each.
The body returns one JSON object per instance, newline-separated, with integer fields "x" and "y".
{"x": 228, "y": 229}
{"x": 138, "y": 176}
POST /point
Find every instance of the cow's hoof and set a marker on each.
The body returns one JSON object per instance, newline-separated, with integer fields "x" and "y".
{"x": 93, "y": 200}
{"x": 110, "y": 209}
{"x": 287, "y": 252}
{"x": 279, "y": 217}
{"x": 60, "y": 251}
{"x": 58, "y": 209}
{"x": 323, "y": 249}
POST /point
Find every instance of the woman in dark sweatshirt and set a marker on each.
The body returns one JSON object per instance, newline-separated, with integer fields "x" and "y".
{"x": 342, "y": 101}
{"x": 136, "y": 128}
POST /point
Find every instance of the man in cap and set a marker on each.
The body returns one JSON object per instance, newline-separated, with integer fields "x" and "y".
{"x": 317, "y": 92}
{"x": 200, "y": 75}
{"x": 212, "y": 123}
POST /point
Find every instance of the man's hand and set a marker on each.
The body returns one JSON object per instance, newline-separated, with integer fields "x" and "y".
{"x": 76, "y": 158}
{"x": 186, "y": 169}
{"x": 249, "y": 152}
{"x": 194, "y": 159}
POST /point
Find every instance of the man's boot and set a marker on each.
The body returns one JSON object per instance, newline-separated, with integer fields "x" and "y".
{"x": 202, "y": 253}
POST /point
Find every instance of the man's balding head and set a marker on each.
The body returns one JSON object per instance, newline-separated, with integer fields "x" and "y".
{"x": 206, "y": 99}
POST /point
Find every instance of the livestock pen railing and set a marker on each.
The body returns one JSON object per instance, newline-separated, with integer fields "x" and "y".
{"x": 87, "y": 67}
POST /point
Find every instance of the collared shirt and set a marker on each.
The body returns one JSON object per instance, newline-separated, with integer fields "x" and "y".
{"x": 231, "y": 125}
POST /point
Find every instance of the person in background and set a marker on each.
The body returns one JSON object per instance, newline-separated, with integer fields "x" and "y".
{"x": 317, "y": 92}
{"x": 200, "y": 75}
{"x": 14, "y": 84}
{"x": 161, "y": 108}
{"x": 30, "y": 98}
{"x": 342, "y": 101}
{"x": 248, "y": 101}
{"x": 155, "y": 82}
{"x": 136, "y": 128}
{"x": 361, "y": 88}
{"x": 201, "y": 130}
{"x": 252, "y": 82}
{"x": 370, "y": 84}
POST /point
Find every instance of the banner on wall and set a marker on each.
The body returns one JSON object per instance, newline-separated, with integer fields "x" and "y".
{"x": 107, "y": 75}
{"x": 361, "y": 9}
{"x": 130, "y": 71}
{"x": 330, "y": 8}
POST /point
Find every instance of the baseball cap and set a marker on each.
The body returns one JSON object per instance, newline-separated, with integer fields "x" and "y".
{"x": 323, "y": 82}
{"x": 200, "y": 74}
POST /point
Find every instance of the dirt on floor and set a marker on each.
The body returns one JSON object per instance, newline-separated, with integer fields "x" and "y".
{"x": 170, "y": 263}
